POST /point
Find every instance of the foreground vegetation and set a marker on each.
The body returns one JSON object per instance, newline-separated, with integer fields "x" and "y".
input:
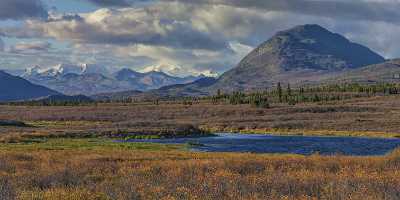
{"x": 97, "y": 169}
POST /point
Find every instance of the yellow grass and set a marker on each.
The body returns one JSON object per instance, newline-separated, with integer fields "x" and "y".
{"x": 112, "y": 172}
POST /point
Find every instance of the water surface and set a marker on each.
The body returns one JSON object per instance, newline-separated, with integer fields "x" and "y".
{"x": 304, "y": 145}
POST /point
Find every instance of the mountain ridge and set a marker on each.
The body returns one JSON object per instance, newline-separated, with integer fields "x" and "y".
{"x": 75, "y": 80}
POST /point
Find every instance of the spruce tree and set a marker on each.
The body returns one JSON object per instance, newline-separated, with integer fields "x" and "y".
{"x": 279, "y": 89}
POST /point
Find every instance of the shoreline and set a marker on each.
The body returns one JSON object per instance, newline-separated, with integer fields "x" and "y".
{"x": 316, "y": 133}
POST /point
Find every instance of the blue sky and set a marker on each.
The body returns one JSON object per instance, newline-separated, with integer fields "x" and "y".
{"x": 70, "y": 5}
{"x": 181, "y": 37}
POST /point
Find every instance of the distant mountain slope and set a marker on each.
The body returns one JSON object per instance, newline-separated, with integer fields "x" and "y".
{"x": 387, "y": 72}
{"x": 56, "y": 100}
{"x": 66, "y": 98}
{"x": 13, "y": 88}
{"x": 181, "y": 90}
{"x": 150, "y": 80}
{"x": 295, "y": 55}
{"x": 87, "y": 84}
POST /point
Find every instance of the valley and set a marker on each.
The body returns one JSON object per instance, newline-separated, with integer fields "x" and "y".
{"x": 69, "y": 152}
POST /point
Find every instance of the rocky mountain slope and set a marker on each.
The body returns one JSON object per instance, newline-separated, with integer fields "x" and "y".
{"x": 195, "y": 88}
{"x": 387, "y": 72}
{"x": 303, "y": 53}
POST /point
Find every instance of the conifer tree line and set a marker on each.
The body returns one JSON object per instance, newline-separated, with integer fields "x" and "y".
{"x": 288, "y": 95}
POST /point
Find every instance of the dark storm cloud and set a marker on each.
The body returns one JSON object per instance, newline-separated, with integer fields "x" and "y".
{"x": 117, "y": 3}
{"x": 387, "y": 11}
{"x": 66, "y": 17}
{"x": 20, "y": 9}
{"x": 110, "y": 3}
{"x": 179, "y": 38}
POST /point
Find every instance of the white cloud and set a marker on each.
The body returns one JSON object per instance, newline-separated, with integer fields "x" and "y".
{"x": 31, "y": 46}
{"x": 151, "y": 26}
{"x": 1, "y": 45}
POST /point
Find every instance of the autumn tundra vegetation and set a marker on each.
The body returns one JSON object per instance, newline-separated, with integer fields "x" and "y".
{"x": 67, "y": 150}
{"x": 86, "y": 171}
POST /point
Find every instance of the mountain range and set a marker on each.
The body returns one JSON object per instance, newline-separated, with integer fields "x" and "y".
{"x": 91, "y": 79}
{"x": 303, "y": 55}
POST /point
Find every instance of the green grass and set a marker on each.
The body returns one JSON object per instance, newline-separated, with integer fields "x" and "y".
{"x": 86, "y": 144}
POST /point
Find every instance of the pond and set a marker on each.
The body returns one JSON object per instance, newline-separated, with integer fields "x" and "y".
{"x": 304, "y": 145}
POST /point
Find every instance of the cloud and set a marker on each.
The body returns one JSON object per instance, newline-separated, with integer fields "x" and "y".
{"x": 20, "y": 9}
{"x": 111, "y": 3}
{"x": 31, "y": 46}
{"x": 119, "y": 3}
{"x": 125, "y": 27}
{"x": 386, "y": 10}
{"x": 1, "y": 45}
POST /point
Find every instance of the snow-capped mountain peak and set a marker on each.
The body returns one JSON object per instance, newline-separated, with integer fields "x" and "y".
{"x": 62, "y": 69}
{"x": 59, "y": 69}
{"x": 32, "y": 71}
{"x": 93, "y": 69}
{"x": 66, "y": 69}
{"x": 178, "y": 71}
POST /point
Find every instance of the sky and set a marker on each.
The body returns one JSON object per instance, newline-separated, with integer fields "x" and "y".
{"x": 180, "y": 37}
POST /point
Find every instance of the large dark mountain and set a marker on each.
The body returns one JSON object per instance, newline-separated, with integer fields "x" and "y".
{"x": 301, "y": 54}
{"x": 13, "y": 88}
